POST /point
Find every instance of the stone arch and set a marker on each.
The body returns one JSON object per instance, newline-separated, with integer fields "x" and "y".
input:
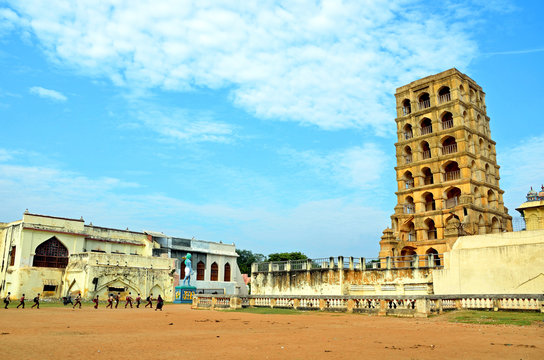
{"x": 452, "y": 196}
{"x": 425, "y": 150}
{"x": 446, "y": 120}
{"x": 461, "y": 92}
{"x": 495, "y": 225}
{"x": 408, "y": 131}
{"x": 424, "y": 101}
{"x": 51, "y": 253}
{"x": 430, "y": 229}
{"x": 481, "y": 225}
{"x": 426, "y": 126}
{"x": 451, "y": 170}
{"x": 427, "y": 174}
{"x": 156, "y": 290}
{"x": 491, "y": 198}
{"x": 433, "y": 258}
{"x": 428, "y": 201}
{"x": 477, "y": 196}
{"x": 408, "y": 180}
{"x": 407, "y": 154}
{"x": 406, "y": 107}
{"x": 407, "y": 256}
{"x": 409, "y": 206}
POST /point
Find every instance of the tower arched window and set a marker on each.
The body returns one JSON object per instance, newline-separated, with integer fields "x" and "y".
{"x": 409, "y": 206}
{"x": 495, "y": 225}
{"x": 51, "y": 253}
{"x": 408, "y": 180}
{"x": 428, "y": 199}
{"x": 449, "y": 145}
{"x": 408, "y": 133}
{"x": 452, "y": 171}
{"x": 444, "y": 95}
{"x": 426, "y": 126}
{"x": 407, "y": 155}
{"x": 406, "y": 107}
{"x": 431, "y": 229}
{"x": 433, "y": 258}
{"x": 425, "y": 150}
{"x": 447, "y": 120}
{"x": 452, "y": 198}
{"x": 424, "y": 101}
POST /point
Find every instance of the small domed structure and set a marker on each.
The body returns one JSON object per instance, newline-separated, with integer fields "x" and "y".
{"x": 532, "y": 195}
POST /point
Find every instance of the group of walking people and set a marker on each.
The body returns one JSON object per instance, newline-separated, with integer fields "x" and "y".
{"x": 111, "y": 299}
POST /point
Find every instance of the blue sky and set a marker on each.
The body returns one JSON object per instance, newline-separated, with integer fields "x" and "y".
{"x": 267, "y": 124}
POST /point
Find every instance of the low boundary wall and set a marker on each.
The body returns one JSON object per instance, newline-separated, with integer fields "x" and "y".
{"x": 408, "y": 306}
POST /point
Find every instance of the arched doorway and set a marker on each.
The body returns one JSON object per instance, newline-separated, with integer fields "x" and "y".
{"x": 51, "y": 253}
{"x": 407, "y": 256}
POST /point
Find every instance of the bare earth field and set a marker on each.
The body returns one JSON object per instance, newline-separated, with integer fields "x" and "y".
{"x": 181, "y": 333}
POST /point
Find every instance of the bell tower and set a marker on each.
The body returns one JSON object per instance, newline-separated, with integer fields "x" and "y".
{"x": 447, "y": 172}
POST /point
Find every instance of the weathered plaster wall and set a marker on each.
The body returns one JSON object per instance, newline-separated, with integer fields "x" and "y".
{"x": 505, "y": 263}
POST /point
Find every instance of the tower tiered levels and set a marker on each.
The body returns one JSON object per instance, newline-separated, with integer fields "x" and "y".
{"x": 447, "y": 172}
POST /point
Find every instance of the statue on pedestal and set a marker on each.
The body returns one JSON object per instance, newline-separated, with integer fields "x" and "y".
{"x": 188, "y": 270}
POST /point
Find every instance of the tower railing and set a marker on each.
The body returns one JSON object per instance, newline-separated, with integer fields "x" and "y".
{"x": 452, "y": 175}
{"x": 444, "y": 98}
{"x": 449, "y": 149}
{"x": 424, "y": 104}
{"x": 406, "y": 110}
{"x": 409, "y": 208}
{"x": 449, "y": 203}
{"x": 447, "y": 124}
{"x": 426, "y": 130}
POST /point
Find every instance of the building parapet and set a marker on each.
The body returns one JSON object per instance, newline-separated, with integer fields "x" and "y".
{"x": 352, "y": 263}
{"x": 121, "y": 260}
{"x": 416, "y": 305}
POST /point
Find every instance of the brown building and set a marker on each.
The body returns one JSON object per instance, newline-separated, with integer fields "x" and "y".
{"x": 447, "y": 172}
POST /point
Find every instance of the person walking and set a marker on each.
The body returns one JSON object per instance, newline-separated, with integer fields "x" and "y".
{"x": 7, "y": 300}
{"x": 128, "y": 301}
{"x": 78, "y": 301}
{"x": 138, "y": 299}
{"x": 95, "y": 301}
{"x": 160, "y": 303}
{"x": 36, "y": 302}
{"x": 149, "y": 301}
{"x": 110, "y": 302}
{"x": 117, "y": 297}
{"x": 22, "y": 303}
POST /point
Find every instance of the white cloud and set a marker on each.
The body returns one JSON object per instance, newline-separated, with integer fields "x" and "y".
{"x": 331, "y": 64}
{"x": 47, "y": 93}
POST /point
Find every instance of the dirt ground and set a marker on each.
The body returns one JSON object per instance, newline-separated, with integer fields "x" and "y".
{"x": 181, "y": 333}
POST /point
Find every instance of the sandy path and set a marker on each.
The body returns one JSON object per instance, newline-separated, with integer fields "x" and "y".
{"x": 181, "y": 333}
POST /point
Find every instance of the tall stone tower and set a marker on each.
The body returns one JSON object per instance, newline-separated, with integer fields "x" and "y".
{"x": 447, "y": 172}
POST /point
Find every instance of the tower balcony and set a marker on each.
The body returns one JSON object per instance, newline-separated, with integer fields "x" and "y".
{"x": 426, "y": 130}
{"x": 447, "y": 124}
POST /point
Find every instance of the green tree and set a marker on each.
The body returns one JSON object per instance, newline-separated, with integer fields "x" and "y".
{"x": 246, "y": 258}
{"x": 285, "y": 256}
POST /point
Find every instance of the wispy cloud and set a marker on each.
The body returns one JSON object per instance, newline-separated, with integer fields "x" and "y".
{"x": 47, "y": 93}
{"x": 184, "y": 125}
{"x": 329, "y": 64}
{"x": 356, "y": 167}
{"x": 515, "y": 52}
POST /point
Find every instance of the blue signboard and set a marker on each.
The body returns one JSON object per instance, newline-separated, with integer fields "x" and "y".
{"x": 184, "y": 294}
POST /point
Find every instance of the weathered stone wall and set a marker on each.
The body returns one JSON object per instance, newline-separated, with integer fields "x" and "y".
{"x": 343, "y": 282}
{"x": 135, "y": 274}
